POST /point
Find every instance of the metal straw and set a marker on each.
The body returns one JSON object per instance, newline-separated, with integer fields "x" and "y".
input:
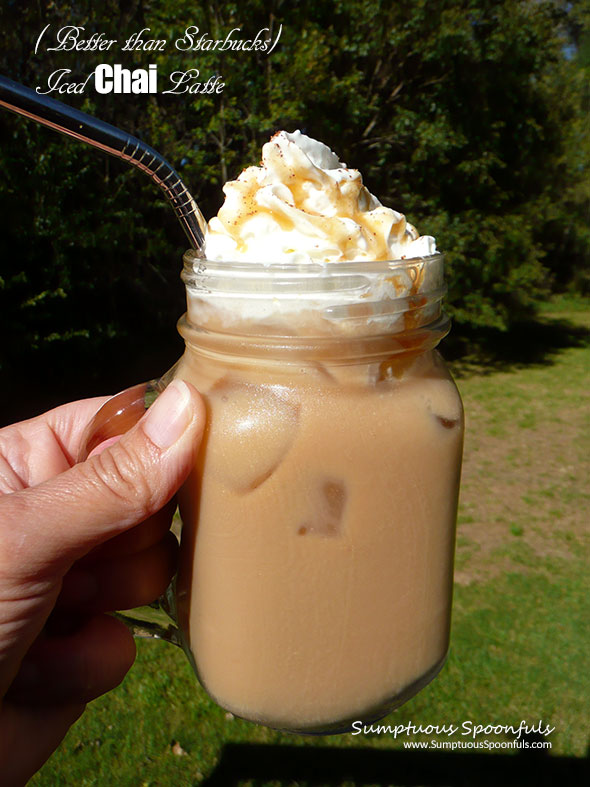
{"x": 86, "y": 128}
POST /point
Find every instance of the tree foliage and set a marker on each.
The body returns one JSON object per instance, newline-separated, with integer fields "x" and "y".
{"x": 470, "y": 116}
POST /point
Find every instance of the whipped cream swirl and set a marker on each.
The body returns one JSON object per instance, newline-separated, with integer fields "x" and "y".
{"x": 304, "y": 205}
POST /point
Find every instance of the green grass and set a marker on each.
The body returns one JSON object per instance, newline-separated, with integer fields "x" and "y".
{"x": 520, "y": 638}
{"x": 566, "y": 304}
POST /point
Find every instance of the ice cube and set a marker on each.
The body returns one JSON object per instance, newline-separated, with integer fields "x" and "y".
{"x": 327, "y": 502}
{"x": 442, "y": 400}
{"x": 448, "y": 423}
{"x": 251, "y": 429}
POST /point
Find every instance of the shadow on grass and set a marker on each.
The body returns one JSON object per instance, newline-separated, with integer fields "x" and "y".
{"x": 534, "y": 342}
{"x": 288, "y": 765}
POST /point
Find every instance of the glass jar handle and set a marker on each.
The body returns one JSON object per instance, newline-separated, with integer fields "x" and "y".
{"x": 115, "y": 417}
{"x": 121, "y": 412}
{"x": 156, "y": 620}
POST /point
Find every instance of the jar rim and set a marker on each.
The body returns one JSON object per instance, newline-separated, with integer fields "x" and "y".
{"x": 353, "y": 297}
{"x": 340, "y": 349}
{"x": 192, "y": 257}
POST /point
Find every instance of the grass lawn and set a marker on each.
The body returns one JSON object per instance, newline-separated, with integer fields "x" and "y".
{"x": 521, "y": 634}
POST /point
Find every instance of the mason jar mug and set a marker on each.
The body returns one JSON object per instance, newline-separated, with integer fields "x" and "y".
{"x": 315, "y": 579}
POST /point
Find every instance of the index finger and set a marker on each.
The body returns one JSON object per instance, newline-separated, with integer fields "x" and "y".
{"x": 39, "y": 448}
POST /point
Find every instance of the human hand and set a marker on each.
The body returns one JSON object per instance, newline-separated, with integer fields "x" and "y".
{"x": 76, "y": 541}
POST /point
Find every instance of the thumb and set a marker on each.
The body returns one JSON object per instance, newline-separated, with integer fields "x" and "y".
{"x": 61, "y": 519}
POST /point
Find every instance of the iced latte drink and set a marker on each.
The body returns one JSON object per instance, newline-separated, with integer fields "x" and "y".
{"x": 317, "y": 548}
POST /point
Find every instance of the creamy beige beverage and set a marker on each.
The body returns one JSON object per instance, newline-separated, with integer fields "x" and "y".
{"x": 316, "y": 568}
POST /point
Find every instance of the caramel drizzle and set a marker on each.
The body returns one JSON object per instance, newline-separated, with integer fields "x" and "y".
{"x": 301, "y": 180}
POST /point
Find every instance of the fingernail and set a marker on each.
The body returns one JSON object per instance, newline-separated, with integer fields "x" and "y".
{"x": 167, "y": 419}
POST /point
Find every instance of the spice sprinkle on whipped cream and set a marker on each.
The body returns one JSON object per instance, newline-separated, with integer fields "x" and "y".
{"x": 304, "y": 205}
